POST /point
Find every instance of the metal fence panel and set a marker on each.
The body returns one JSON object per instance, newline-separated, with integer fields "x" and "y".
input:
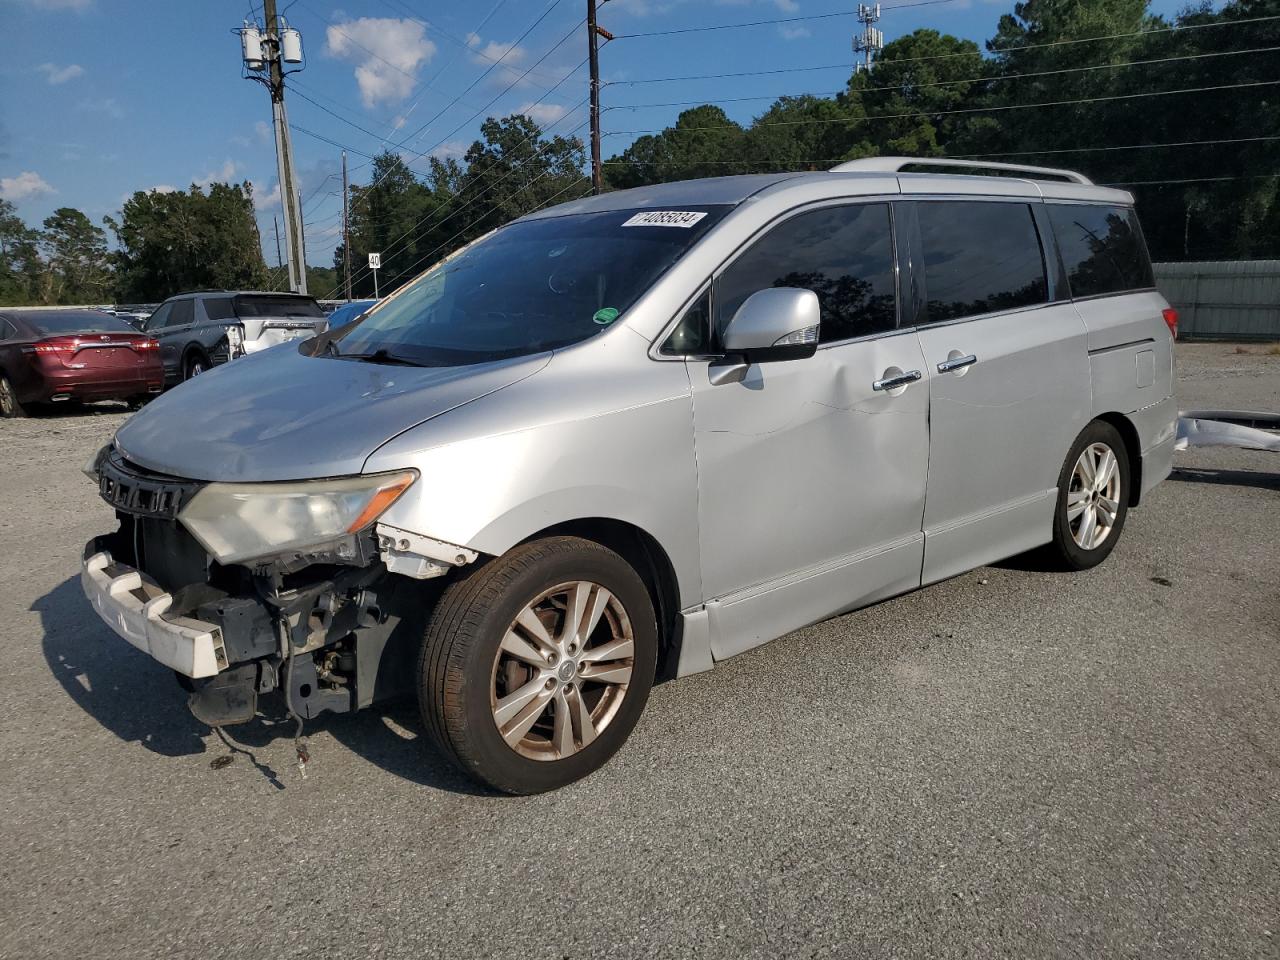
{"x": 1223, "y": 300}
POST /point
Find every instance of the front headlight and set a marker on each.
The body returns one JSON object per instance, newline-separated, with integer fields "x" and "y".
{"x": 241, "y": 521}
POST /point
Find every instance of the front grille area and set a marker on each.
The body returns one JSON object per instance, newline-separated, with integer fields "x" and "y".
{"x": 133, "y": 490}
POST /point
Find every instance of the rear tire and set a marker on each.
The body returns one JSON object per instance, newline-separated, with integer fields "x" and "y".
{"x": 1093, "y": 498}
{"x": 514, "y": 695}
{"x": 10, "y": 408}
{"x": 194, "y": 366}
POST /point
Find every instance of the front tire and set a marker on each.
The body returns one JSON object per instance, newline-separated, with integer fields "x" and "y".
{"x": 536, "y": 667}
{"x": 1093, "y": 498}
{"x": 10, "y": 408}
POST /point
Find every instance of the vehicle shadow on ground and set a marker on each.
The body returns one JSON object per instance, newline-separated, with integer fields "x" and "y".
{"x": 141, "y": 702}
{"x": 1227, "y": 478}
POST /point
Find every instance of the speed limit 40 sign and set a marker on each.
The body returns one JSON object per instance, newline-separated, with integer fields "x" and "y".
{"x": 375, "y": 261}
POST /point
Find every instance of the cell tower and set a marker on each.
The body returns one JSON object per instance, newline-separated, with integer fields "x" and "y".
{"x": 872, "y": 40}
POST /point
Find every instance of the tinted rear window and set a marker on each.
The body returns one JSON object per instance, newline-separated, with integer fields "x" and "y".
{"x": 980, "y": 257}
{"x": 57, "y": 324}
{"x": 1102, "y": 248}
{"x": 219, "y": 308}
{"x": 265, "y": 306}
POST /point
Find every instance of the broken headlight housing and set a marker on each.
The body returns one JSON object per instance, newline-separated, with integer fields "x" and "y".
{"x": 245, "y": 521}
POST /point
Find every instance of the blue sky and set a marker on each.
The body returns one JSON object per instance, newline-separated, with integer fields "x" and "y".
{"x": 99, "y": 98}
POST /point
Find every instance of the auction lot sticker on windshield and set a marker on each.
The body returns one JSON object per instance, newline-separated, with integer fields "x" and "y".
{"x": 666, "y": 218}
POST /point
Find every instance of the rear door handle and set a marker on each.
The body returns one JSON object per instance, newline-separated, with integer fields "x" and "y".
{"x": 957, "y": 363}
{"x": 899, "y": 380}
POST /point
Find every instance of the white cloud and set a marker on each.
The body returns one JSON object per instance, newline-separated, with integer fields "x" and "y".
{"x": 454, "y": 149}
{"x": 57, "y": 75}
{"x": 509, "y": 53}
{"x": 786, "y": 6}
{"x": 388, "y": 52}
{"x": 263, "y": 130}
{"x": 223, "y": 174}
{"x": 265, "y": 201}
{"x": 109, "y": 107}
{"x": 793, "y": 33}
{"x": 162, "y": 188}
{"x": 24, "y": 185}
{"x": 542, "y": 113}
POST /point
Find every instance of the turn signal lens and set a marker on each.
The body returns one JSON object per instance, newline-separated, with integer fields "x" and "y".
{"x": 1171, "y": 318}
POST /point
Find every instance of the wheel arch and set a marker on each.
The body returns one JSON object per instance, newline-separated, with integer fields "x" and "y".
{"x": 194, "y": 349}
{"x": 1132, "y": 449}
{"x": 650, "y": 560}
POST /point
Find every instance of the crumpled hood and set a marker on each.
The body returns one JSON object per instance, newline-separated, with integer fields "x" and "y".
{"x": 280, "y": 415}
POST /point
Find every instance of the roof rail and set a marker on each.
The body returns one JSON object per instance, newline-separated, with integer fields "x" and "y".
{"x": 895, "y": 165}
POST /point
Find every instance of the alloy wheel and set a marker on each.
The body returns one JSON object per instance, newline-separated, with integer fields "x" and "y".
{"x": 562, "y": 671}
{"x": 6, "y": 398}
{"x": 1093, "y": 498}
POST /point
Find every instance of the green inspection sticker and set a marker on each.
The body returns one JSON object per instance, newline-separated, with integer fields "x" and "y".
{"x": 606, "y": 315}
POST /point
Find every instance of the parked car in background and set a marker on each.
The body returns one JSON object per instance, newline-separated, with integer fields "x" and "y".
{"x": 198, "y": 331}
{"x": 638, "y": 434}
{"x": 346, "y": 312}
{"x": 52, "y": 356}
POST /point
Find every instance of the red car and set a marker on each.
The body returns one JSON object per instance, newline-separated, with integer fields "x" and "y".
{"x": 52, "y": 355}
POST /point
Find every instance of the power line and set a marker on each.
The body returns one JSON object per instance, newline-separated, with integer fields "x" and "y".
{"x": 945, "y": 56}
{"x": 968, "y": 156}
{"x": 948, "y": 83}
{"x": 938, "y": 113}
{"x": 392, "y": 247}
{"x": 781, "y": 20}
{"x": 333, "y": 143}
{"x": 1132, "y": 146}
{"x": 1152, "y": 183}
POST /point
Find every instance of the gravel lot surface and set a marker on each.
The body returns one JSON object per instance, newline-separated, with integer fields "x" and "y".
{"x": 1013, "y": 763}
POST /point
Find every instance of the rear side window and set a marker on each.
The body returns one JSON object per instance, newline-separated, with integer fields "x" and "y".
{"x": 843, "y": 254}
{"x": 980, "y": 257}
{"x": 267, "y": 306}
{"x": 7, "y": 332}
{"x": 219, "y": 308}
{"x": 184, "y": 312}
{"x": 1102, "y": 248}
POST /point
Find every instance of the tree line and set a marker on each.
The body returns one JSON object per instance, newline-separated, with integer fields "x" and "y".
{"x": 1104, "y": 87}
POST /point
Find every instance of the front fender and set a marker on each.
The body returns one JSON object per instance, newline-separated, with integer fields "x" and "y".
{"x": 544, "y": 452}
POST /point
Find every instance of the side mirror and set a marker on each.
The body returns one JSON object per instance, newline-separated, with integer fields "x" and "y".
{"x": 779, "y": 323}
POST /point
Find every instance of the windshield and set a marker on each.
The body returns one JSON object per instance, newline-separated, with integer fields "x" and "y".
{"x": 532, "y": 286}
{"x": 259, "y": 306}
{"x": 57, "y": 324}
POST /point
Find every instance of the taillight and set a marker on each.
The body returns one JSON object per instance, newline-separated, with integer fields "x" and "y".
{"x": 146, "y": 344}
{"x": 1171, "y": 318}
{"x": 52, "y": 346}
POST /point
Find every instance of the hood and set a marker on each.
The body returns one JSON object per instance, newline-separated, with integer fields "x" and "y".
{"x": 280, "y": 415}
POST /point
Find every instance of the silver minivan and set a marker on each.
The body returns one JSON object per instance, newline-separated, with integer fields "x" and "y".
{"x": 631, "y": 436}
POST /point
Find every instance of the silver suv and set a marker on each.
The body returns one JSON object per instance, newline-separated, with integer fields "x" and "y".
{"x": 634, "y": 435}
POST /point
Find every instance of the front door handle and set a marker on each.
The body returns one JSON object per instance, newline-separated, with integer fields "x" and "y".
{"x": 956, "y": 363}
{"x": 897, "y": 380}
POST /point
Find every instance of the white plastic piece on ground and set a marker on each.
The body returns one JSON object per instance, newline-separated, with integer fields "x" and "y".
{"x": 1193, "y": 432}
{"x": 191, "y": 647}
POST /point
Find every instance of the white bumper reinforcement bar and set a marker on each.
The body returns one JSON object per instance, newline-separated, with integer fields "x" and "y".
{"x": 134, "y": 606}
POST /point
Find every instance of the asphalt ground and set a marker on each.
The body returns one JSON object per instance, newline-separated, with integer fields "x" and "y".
{"x": 1012, "y": 763}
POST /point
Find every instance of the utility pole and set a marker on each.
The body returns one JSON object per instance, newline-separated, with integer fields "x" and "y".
{"x": 269, "y": 50}
{"x": 594, "y": 33}
{"x": 872, "y": 40}
{"x": 346, "y": 230}
{"x": 275, "y": 225}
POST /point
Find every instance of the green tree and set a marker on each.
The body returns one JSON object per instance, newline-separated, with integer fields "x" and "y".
{"x": 187, "y": 240}
{"x": 76, "y": 268}
{"x": 20, "y": 264}
{"x": 704, "y": 142}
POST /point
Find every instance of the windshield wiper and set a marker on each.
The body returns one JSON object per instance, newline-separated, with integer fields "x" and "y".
{"x": 381, "y": 355}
